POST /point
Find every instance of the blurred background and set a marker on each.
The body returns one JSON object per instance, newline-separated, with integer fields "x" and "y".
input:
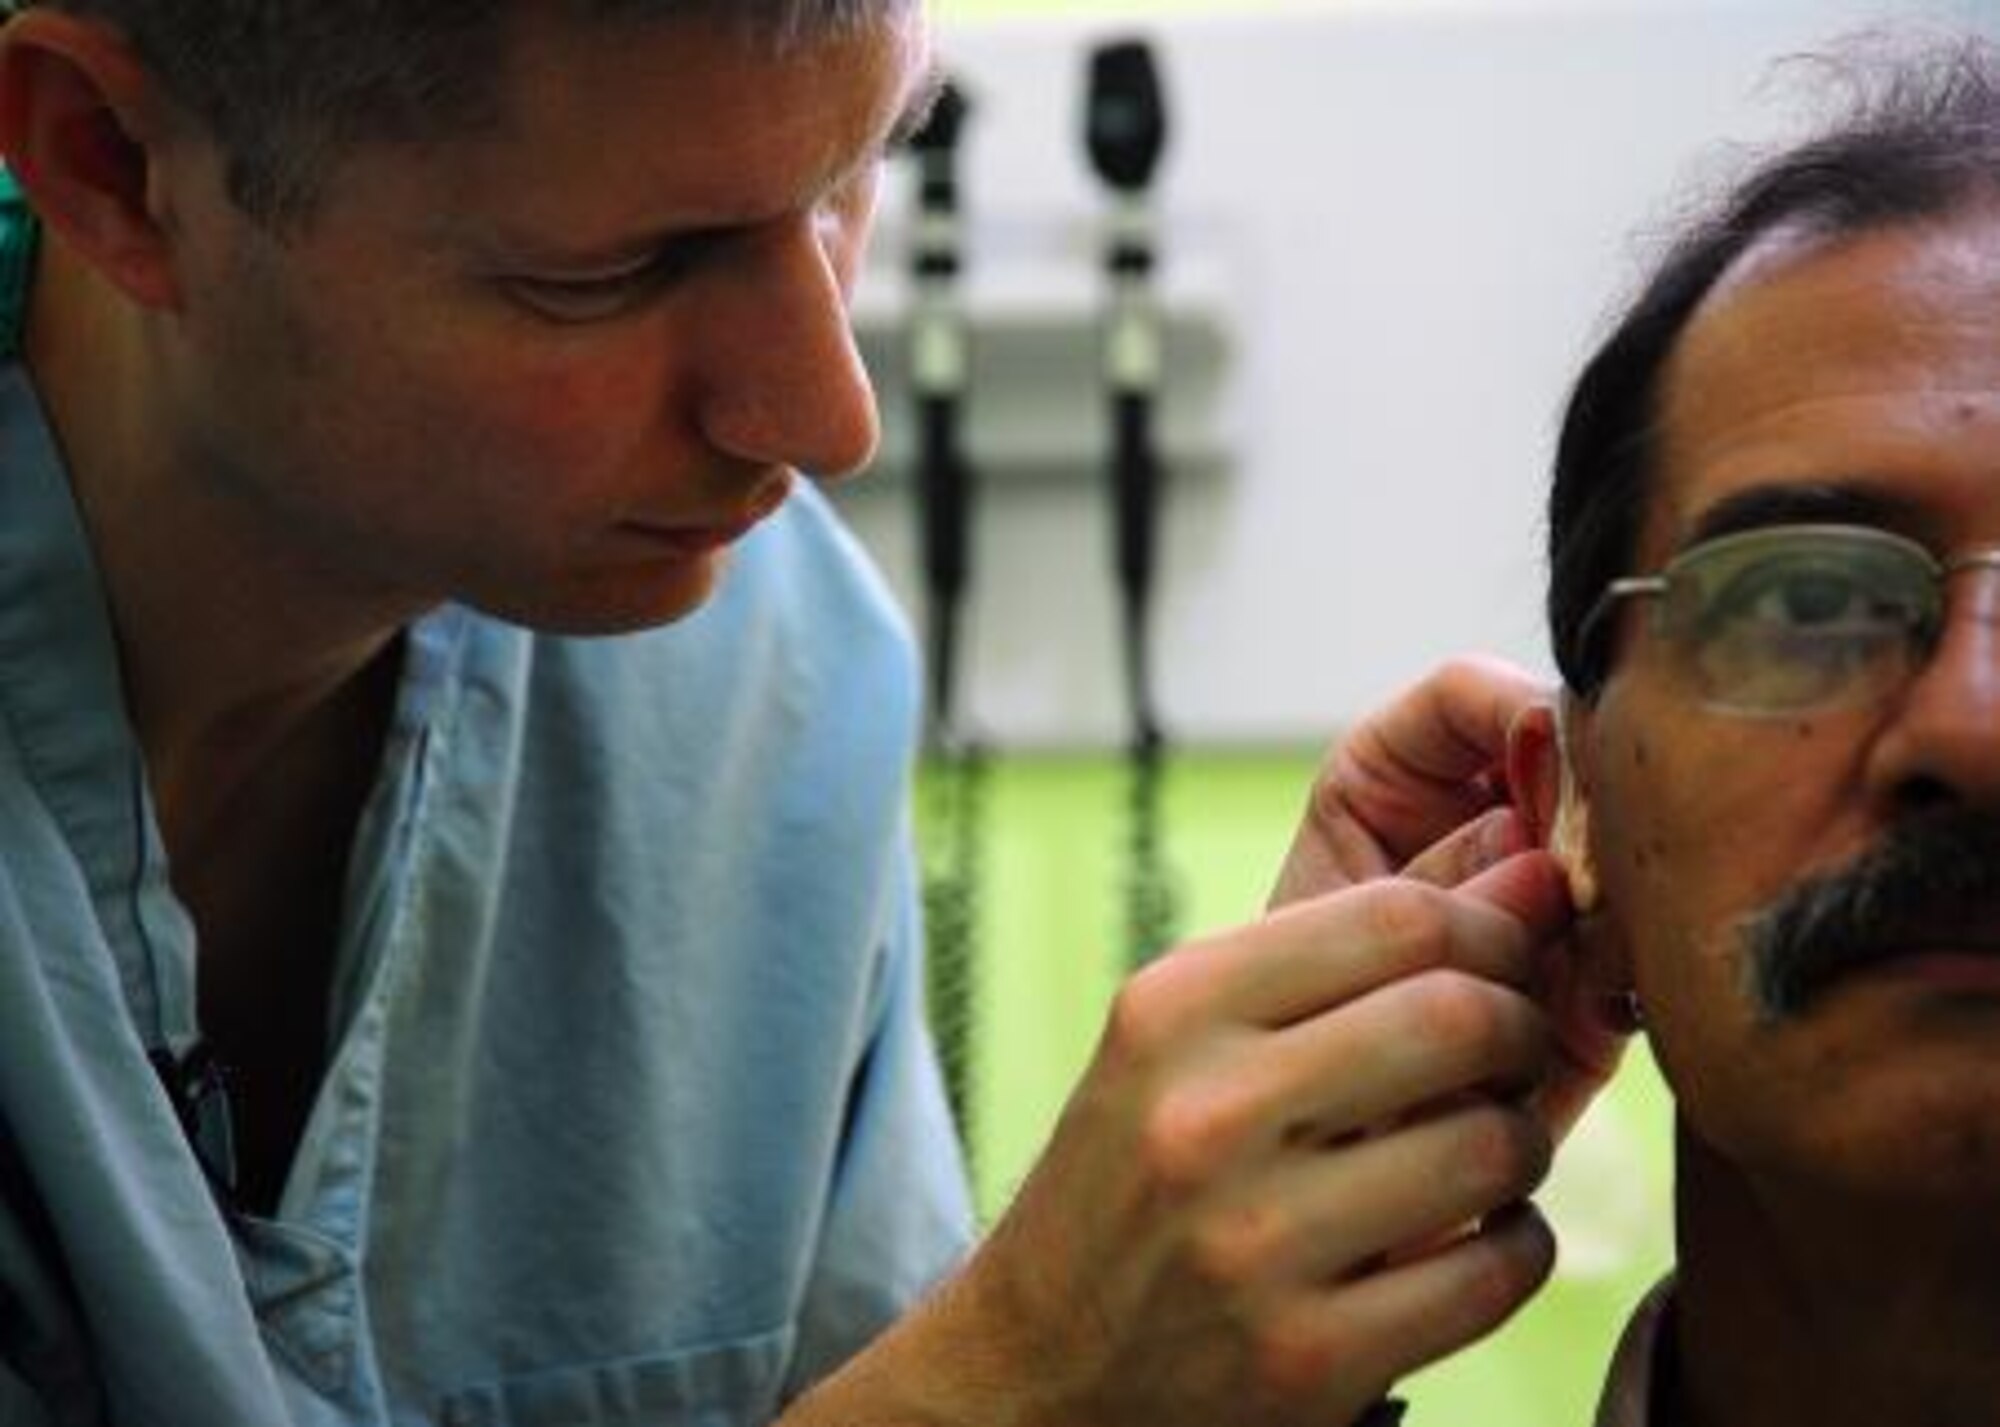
{"x": 1368, "y": 247}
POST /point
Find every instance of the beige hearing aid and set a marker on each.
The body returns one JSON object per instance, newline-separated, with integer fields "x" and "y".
{"x": 1569, "y": 837}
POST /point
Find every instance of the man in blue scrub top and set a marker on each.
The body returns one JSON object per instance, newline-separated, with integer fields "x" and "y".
{"x": 418, "y": 1008}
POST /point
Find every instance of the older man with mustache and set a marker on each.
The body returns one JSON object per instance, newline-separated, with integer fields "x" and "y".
{"x": 1776, "y": 604}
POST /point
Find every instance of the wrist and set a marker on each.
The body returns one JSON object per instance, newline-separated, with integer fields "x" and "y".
{"x": 966, "y": 1356}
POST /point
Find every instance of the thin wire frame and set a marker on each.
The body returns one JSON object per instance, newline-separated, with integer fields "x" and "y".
{"x": 1683, "y": 588}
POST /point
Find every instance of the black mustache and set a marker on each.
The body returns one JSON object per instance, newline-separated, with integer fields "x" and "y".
{"x": 1932, "y": 873}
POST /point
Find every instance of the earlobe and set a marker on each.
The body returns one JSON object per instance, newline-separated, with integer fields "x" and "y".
{"x": 72, "y": 100}
{"x": 1545, "y": 790}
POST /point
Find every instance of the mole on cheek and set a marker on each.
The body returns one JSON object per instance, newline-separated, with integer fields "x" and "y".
{"x": 1802, "y": 731}
{"x": 1639, "y": 754}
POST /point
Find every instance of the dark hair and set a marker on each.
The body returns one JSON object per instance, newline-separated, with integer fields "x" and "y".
{"x": 1921, "y": 140}
{"x": 286, "y": 87}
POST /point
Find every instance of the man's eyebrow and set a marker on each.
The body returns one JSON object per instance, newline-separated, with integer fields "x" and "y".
{"x": 925, "y": 93}
{"x": 1835, "y": 502}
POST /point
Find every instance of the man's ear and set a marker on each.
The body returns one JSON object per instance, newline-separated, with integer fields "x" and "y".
{"x": 80, "y": 119}
{"x": 1547, "y": 795}
{"x": 1595, "y": 1006}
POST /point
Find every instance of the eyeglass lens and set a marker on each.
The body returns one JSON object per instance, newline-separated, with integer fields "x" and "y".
{"x": 1780, "y": 621}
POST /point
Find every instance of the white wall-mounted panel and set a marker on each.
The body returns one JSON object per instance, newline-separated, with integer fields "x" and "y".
{"x": 1401, "y": 224}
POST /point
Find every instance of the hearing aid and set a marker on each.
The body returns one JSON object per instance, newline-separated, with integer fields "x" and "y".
{"x": 1569, "y": 839}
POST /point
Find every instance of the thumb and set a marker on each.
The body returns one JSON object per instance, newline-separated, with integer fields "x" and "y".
{"x": 1531, "y": 888}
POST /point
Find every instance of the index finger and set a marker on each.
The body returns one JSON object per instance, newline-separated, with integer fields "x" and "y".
{"x": 1319, "y": 955}
{"x": 1407, "y": 776}
{"x": 1427, "y": 762}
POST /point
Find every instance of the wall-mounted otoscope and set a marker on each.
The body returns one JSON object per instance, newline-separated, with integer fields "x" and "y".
{"x": 1125, "y": 134}
{"x": 952, "y": 827}
{"x": 939, "y": 370}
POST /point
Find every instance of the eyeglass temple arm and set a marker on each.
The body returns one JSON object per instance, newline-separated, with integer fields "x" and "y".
{"x": 1985, "y": 558}
{"x": 1631, "y": 587}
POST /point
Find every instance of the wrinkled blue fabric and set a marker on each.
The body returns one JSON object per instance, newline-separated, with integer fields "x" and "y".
{"x": 631, "y": 1115}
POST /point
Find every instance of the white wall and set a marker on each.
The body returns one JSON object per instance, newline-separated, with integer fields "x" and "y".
{"x": 1392, "y": 230}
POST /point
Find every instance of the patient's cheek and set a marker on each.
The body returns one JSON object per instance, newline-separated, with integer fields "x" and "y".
{"x": 1630, "y": 840}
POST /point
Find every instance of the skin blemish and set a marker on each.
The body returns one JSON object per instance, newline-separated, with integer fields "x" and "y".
{"x": 1802, "y": 731}
{"x": 1639, "y": 755}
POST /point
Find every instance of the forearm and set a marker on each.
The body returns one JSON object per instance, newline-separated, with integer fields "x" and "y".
{"x": 948, "y": 1363}
{"x": 940, "y": 1367}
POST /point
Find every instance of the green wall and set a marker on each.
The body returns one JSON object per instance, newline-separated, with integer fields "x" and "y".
{"x": 1049, "y": 932}
{"x": 1049, "y": 928}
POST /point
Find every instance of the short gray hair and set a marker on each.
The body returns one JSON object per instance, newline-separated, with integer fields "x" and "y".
{"x": 286, "y": 87}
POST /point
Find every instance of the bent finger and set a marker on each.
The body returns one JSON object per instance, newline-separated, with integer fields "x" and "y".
{"x": 1367, "y": 1335}
{"x": 1317, "y": 956}
{"x": 1406, "y": 777}
{"x": 1465, "y": 852}
{"x": 1433, "y": 757}
{"x": 1335, "y": 1212}
{"x": 1420, "y": 1043}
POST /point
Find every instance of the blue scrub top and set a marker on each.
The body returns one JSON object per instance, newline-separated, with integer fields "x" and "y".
{"x": 631, "y": 1113}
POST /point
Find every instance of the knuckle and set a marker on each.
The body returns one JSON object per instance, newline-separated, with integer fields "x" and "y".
{"x": 1144, "y": 1018}
{"x": 1494, "y": 1287}
{"x": 1161, "y": 1004}
{"x": 1293, "y": 1358}
{"x": 1239, "y": 1246}
{"x": 1468, "y": 681}
{"x": 1503, "y": 1276}
{"x": 1326, "y": 803}
{"x": 1457, "y": 1017}
{"x": 1130, "y": 1026}
{"x": 1503, "y": 1153}
{"x": 1189, "y": 1136}
{"x": 1465, "y": 674}
{"x": 1412, "y": 920}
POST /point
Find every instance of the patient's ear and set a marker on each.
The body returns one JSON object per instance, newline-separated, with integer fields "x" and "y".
{"x": 1546, "y": 793}
{"x": 1595, "y": 1006}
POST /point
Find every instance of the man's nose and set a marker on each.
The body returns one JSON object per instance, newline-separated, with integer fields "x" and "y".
{"x": 1943, "y": 742}
{"x": 782, "y": 380}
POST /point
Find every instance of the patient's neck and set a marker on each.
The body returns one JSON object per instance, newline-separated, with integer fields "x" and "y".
{"x": 1799, "y": 1306}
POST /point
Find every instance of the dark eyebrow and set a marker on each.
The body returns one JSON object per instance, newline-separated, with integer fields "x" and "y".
{"x": 1856, "y": 502}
